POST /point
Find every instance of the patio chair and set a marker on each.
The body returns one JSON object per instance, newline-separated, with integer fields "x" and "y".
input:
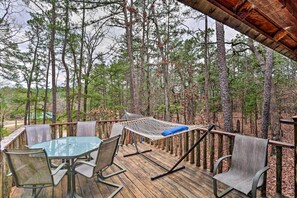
{"x": 38, "y": 133}
{"x": 121, "y": 168}
{"x": 87, "y": 128}
{"x": 105, "y": 156}
{"x": 248, "y": 164}
{"x": 30, "y": 169}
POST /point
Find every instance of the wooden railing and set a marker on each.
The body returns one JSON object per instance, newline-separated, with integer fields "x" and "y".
{"x": 217, "y": 144}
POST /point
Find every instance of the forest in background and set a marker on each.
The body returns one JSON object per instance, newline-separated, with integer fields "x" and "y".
{"x": 78, "y": 60}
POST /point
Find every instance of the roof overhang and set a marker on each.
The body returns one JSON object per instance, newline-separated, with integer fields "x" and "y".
{"x": 270, "y": 22}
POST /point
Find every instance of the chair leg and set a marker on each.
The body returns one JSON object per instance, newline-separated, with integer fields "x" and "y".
{"x": 122, "y": 169}
{"x": 215, "y": 190}
{"x": 35, "y": 191}
{"x": 215, "y": 187}
{"x": 118, "y": 187}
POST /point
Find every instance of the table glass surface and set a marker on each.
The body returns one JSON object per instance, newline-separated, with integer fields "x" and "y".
{"x": 69, "y": 147}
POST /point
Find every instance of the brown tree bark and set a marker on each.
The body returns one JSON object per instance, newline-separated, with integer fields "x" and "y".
{"x": 206, "y": 72}
{"x": 79, "y": 94}
{"x": 53, "y": 59}
{"x": 67, "y": 88}
{"x": 46, "y": 87}
{"x": 267, "y": 94}
{"x": 128, "y": 28}
{"x": 275, "y": 117}
{"x": 223, "y": 75}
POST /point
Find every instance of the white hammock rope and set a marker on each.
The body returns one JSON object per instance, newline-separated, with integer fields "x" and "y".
{"x": 149, "y": 127}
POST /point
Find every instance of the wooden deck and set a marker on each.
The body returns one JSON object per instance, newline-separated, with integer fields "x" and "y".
{"x": 190, "y": 182}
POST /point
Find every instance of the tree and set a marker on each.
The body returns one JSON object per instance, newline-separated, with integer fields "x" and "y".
{"x": 267, "y": 94}
{"x": 223, "y": 77}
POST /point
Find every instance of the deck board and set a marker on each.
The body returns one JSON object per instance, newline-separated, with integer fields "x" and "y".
{"x": 191, "y": 182}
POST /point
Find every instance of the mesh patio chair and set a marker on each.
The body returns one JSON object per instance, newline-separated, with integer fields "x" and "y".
{"x": 121, "y": 168}
{"x": 87, "y": 128}
{"x": 30, "y": 169}
{"x": 105, "y": 156}
{"x": 38, "y": 133}
{"x": 248, "y": 164}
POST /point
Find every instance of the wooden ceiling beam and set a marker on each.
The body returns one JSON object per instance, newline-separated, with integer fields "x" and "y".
{"x": 280, "y": 34}
{"x": 244, "y": 9}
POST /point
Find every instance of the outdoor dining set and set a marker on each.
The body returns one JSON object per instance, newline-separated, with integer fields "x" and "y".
{"x": 46, "y": 161}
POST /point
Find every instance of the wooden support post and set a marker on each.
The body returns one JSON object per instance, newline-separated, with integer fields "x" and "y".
{"x": 220, "y": 150}
{"x": 211, "y": 152}
{"x": 186, "y": 145}
{"x": 198, "y": 149}
{"x": 191, "y": 144}
{"x": 278, "y": 170}
{"x": 295, "y": 154}
{"x": 205, "y": 153}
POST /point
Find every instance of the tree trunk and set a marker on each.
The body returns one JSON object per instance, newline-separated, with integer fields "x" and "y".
{"x": 53, "y": 59}
{"x": 67, "y": 88}
{"x": 267, "y": 93}
{"x": 46, "y": 87}
{"x": 35, "y": 103}
{"x": 206, "y": 72}
{"x": 128, "y": 28}
{"x": 275, "y": 117}
{"x": 223, "y": 75}
{"x": 81, "y": 62}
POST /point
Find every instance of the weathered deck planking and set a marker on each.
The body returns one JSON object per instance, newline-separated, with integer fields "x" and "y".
{"x": 192, "y": 182}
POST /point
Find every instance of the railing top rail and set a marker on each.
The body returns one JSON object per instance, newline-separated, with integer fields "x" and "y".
{"x": 9, "y": 139}
{"x": 98, "y": 121}
{"x": 272, "y": 142}
{"x": 287, "y": 121}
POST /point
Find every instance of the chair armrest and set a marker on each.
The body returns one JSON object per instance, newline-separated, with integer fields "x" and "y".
{"x": 256, "y": 179}
{"x": 59, "y": 168}
{"x": 84, "y": 162}
{"x": 218, "y": 162}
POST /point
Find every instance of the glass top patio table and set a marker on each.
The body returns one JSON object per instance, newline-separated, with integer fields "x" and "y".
{"x": 69, "y": 147}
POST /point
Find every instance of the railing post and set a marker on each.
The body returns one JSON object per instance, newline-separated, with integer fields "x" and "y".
{"x": 211, "y": 152}
{"x": 295, "y": 154}
{"x": 198, "y": 149}
{"x": 279, "y": 170}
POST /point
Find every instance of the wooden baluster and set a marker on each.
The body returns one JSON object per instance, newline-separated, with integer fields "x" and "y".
{"x": 60, "y": 131}
{"x": 205, "y": 153}
{"x": 192, "y": 154}
{"x": 186, "y": 145}
{"x": 171, "y": 141}
{"x": 279, "y": 170}
{"x": 198, "y": 149}
{"x": 180, "y": 145}
{"x": 220, "y": 150}
{"x": 167, "y": 144}
{"x": 211, "y": 151}
{"x": 230, "y": 148}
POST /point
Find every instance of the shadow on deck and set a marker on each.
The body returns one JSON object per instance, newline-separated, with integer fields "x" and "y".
{"x": 190, "y": 182}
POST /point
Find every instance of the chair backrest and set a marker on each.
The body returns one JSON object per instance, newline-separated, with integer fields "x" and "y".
{"x": 249, "y": 155}
{"x": 87, "y": 128}
{"x": 29, "y": 167}
{"x": 38, "y": 133}
{"x": 106, "y": 152}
